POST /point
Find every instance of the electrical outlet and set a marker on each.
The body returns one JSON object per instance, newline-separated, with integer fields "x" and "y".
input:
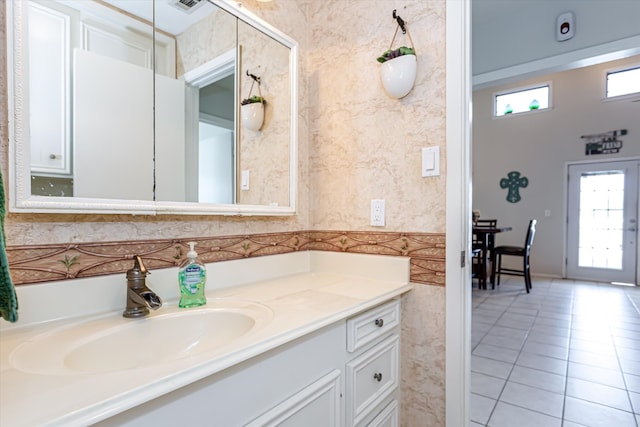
{"x": 377, "y": 212}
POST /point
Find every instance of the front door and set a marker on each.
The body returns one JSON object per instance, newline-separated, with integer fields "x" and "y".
{"x": 602, "y": 221}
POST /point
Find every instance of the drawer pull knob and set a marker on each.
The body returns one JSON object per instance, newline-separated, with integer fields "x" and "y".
{"x": 377, "y": 377}
{"x": 379, "y": 322}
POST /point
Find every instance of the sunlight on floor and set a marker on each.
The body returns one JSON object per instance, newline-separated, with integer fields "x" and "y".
{"x": 567, "y": 354}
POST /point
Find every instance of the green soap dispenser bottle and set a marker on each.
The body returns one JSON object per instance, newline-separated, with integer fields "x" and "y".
{"x": 192, "y": 276}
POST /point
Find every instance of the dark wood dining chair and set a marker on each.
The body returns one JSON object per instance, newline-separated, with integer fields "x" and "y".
{"x": 476, "y": 268}
{"x": 517, "y": 251}
{"x": 479, "y": 257}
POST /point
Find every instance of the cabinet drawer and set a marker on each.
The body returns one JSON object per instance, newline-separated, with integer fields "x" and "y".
{"x": 387, "y": 418}
{"x": 370, "y": 378}
{"x": 372, "y": 324}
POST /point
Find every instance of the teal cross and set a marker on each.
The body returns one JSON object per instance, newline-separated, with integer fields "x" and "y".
{"x": 513, "y": 182}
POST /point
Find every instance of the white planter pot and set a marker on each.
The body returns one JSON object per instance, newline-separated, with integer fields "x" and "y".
{"x": 399, "y": 75}
{"x": 252, "y": 115}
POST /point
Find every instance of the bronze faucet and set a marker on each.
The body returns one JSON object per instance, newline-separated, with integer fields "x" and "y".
{"x": 139, "y": 297}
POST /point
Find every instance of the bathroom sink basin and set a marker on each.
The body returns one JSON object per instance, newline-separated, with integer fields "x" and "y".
{"x": 114, "y": 344}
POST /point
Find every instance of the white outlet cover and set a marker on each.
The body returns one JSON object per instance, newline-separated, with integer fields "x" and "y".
{"x": 377, "y": 212}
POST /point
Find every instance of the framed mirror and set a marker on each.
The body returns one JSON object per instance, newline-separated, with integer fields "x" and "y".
{"x": 134, "y": 107}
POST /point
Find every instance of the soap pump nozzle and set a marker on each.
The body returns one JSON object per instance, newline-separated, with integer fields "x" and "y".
{"x": 192, "y": 254}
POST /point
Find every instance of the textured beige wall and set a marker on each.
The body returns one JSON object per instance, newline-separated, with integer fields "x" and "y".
{"x": 423, "y": 357}
{"x": 365, "y": 145}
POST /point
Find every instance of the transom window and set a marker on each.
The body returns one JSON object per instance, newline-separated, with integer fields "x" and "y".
{"x": 623, "y": 82}
{"x": 519, "y": 101}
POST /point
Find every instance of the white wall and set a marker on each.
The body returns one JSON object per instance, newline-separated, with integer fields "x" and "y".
{"x": 539, "y": 145}
{"x": 512, "y": 33}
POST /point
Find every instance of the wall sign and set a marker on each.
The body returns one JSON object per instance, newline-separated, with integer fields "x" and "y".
{"x": 514, "y": 183}
{"x": 604, "y": 143}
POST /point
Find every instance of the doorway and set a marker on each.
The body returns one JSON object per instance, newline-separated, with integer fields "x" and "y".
{"x": 602, "y": 214}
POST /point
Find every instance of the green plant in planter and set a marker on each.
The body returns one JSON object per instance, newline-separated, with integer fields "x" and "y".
{"x": 253, "y": 100}
{"x": 394, "y": 53}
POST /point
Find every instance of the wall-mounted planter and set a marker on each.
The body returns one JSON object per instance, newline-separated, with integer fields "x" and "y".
{"x": 252, "y": 115}
{"x": 399, "y": 75}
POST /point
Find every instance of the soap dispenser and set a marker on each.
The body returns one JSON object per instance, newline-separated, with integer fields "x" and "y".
{"x": 192, "y": 276}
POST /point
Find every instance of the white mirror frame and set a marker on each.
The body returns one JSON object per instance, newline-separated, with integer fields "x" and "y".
{"x": 21, "y": 200}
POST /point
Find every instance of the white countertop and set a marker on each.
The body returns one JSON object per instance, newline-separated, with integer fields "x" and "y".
{"x": 333, "y": 287}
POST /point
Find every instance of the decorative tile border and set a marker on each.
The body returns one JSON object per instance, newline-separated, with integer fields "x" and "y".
{"x": 44, "y": 263}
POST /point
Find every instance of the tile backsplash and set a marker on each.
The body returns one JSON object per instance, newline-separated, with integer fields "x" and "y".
{"x": 51, "y": 262}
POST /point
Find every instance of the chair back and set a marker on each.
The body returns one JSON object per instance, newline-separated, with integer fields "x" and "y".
{"x": 486, "y": 223}
{"x": 531, "y": 232}
{"x": 489, "y": 223}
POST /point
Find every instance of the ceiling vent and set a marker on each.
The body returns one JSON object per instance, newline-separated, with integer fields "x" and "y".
{"x": 187, "y": 6}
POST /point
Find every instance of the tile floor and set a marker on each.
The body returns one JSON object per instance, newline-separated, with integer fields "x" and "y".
{"x": 567, "y": 354}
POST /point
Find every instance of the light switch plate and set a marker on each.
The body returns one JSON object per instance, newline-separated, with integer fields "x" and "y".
{"x": 244, "y": 184}
{"x": 430, "y": 161}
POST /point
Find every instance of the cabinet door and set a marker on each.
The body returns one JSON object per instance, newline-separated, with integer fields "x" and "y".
{"x": 49, "y": 104}
{"x": 387, "y": 418}
{"x": 317, "y": 405}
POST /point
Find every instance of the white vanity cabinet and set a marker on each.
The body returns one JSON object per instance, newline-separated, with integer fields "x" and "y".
{"x": 345, "y": 374}
{"x": 372, "y": 372}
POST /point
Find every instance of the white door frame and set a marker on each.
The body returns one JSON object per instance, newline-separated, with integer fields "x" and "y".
{"x": 458, "y": 208}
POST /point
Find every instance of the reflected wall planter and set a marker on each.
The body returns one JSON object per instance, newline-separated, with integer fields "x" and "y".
{"x": 398, "y": 75}
{"x": 252, "y": 115}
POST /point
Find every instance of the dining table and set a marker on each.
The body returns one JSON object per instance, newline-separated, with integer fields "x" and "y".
{"x": 485, "y": 236}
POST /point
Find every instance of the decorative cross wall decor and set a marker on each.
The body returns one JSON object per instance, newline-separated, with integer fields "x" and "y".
{"x": 513, "y": 182}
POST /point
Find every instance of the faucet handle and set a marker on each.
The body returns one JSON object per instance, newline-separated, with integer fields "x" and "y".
{"x": 138, "y": 265}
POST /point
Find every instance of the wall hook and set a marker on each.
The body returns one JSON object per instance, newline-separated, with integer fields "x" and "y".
{"x": 401, "y": 22}
{"x": 254, "y": 77}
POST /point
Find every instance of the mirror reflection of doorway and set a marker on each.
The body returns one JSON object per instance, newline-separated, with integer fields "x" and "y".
{"x": 216, "y": 163}
{"x": 210, "y": 118}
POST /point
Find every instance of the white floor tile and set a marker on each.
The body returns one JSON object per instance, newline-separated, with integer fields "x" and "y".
{"x": 486, "y": 385}
{"x": 595, "y": 415}
{"x": 608, "y": 361}
{"x": 481, "y": 408}
{"x": 540, "y": 379}
{"x": 635, "y": 401}
{"x": 533, "y": 398}
{"x": 505, "y": 415}
{"x": 580, "y": 357}
{"x": 502, "y": 331}
{"x": 496, "y": 353}
{"x": 506, "y": 342}
{"x": 494, "y": 368}
{"x": 630, "y": 366}
{"x": 546, "y": 350}
{"x": 543, "y": 363}
{"x": 604, "y": 376}
{"x": 598, "y": 393}
{"x": 591, "y": 346}
{"x": 632, "y": 382}
{"x": 548, "y": 339}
